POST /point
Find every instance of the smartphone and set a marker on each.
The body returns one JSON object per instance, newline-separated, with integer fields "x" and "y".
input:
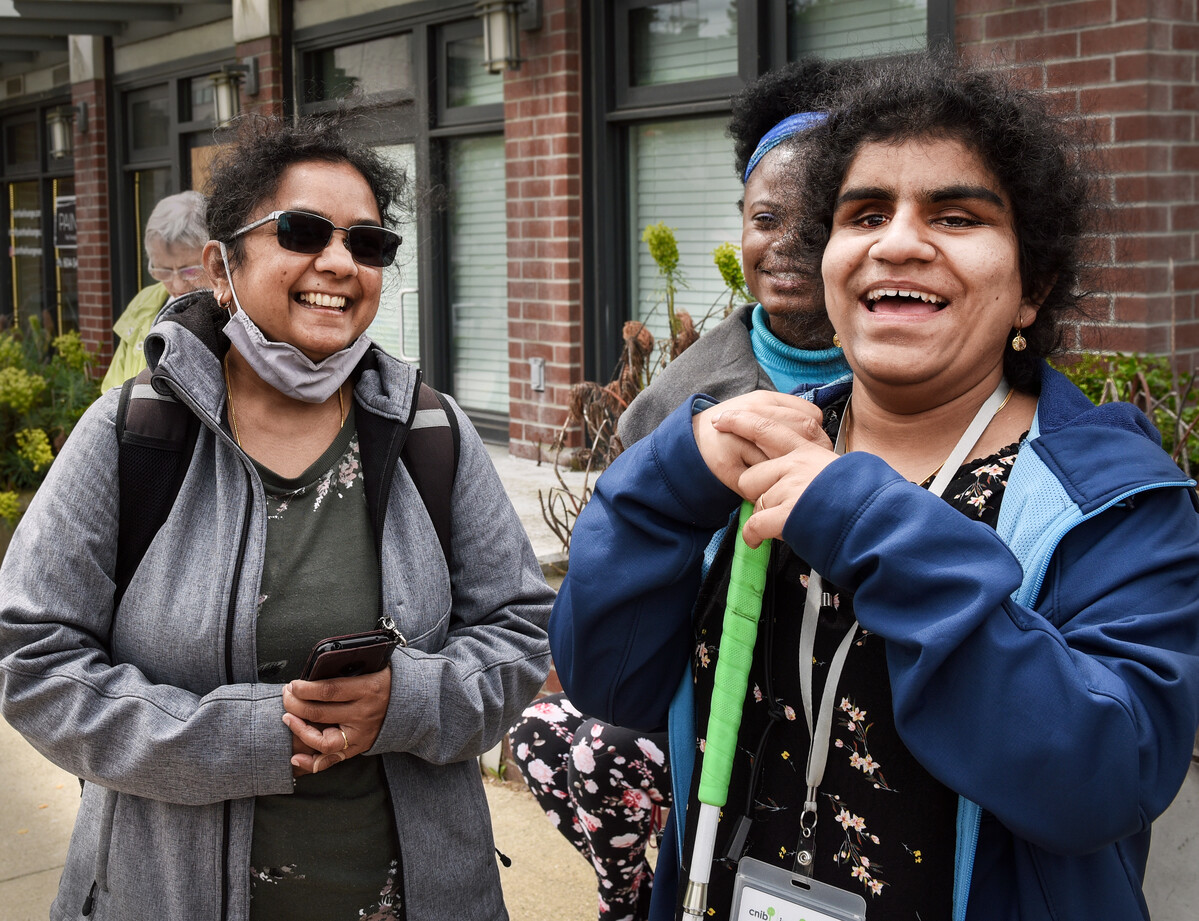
{"x": 346, "y": 656}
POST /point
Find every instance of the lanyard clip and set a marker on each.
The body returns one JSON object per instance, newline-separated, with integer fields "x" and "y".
{"x": 805, "y": 852}
{"x": 807, "y": 821}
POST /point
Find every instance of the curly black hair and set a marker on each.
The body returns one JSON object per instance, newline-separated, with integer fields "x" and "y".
{"x": 801, "y": 86}
{"x": 248, "y": 170}
{"x": 1044, "y": 163}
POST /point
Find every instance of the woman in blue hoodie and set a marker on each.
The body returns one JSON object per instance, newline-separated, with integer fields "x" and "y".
{"x": 982, "y": 585}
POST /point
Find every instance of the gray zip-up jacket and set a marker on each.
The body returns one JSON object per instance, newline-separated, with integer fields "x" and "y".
{"x": 158, "y": 708}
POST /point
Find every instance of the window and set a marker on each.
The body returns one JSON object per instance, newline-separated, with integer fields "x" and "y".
{"x": 468, "y": 82}
{"x": 372, "y": 71}
{"x": 166, "y": 127}
{"x": 478, "y": 263}
{"x": 38, "y": 275}
{"x": 200, "y": 97}
{"x": 66, "y": 261}
{"x": 26, "y": 251}
{"x": 850, "y": 28}
{"x": 148, "y": 122}
{"x": 667, "y": 51}
{"x": 696, "y": 196}
{"x": 150, "y": 186}
{"x": 683, "y": 40}
{"x": 436, "y": 113}
{"x": 20, "y": 144}
{"x": 468, "y": 92}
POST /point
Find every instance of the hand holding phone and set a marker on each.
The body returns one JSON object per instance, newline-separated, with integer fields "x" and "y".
{"x": 349, "y": 655}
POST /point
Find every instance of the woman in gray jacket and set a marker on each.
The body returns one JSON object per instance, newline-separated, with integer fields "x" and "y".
{"x": 218, "y": 785}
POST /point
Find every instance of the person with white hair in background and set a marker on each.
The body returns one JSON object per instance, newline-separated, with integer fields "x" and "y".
{"x": 175, "y": 236}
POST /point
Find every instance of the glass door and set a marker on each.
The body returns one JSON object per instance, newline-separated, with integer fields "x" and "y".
{"x": 150, "y": 186}
{"x": 25, "y": 251}
{"x": 66, "y": 260}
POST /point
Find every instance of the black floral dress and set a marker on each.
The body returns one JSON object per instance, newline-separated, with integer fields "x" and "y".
{"x": 885, "y": 826}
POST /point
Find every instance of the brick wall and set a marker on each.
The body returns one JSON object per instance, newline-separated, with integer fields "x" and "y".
{"x": 542, "y": 119}
{"x": 92, "y": 221}
{"x": 1129, "y": 66}
{"x": 269, "y": 52}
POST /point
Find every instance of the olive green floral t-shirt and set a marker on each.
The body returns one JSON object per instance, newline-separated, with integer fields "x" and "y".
{"x": 328, "y": 851}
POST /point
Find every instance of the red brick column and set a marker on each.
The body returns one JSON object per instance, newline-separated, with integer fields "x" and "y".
{"x": 95, "y": 271}
{"x": 1130, "y": 67}
{"x": 542, "y": 121}
{"x": 269, "y": 53}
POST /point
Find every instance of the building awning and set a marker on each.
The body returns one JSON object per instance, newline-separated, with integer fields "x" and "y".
{"x": 30, "y": 27}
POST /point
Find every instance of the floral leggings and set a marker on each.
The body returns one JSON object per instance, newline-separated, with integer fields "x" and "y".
{"x": 601, "y": 786}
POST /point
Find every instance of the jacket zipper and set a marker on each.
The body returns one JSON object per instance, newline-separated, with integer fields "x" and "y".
{"x": 230, "y": 615}
{"x": 230, "y": 619}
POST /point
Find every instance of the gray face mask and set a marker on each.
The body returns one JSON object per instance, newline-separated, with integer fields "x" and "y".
{"x": 284, "y": 366}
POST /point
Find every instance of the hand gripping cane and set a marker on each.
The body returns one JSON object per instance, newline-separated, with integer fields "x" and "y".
{"x": 742, "y": 610}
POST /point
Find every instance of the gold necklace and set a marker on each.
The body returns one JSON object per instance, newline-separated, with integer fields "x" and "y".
{"x": 341, "y": 403}
{"x": 847, "y": 421}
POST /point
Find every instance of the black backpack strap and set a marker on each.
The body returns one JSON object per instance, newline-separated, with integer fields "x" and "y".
{"x": 431, "y": 456}
{"x": 156, "y": 436}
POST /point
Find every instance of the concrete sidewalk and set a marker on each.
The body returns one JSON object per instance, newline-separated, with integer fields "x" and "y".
{"x": 548, "y": 879}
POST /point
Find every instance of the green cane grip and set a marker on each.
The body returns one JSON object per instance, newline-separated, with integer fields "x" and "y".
{"x": 742, "y": 610}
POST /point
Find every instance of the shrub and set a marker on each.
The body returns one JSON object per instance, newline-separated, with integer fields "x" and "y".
{"x": 45, "y": 385}
{"x": 1151, "y": 384}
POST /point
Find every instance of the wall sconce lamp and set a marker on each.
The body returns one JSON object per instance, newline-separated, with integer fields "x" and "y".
{"x": 225, "y": 89}
{"x": 503, "y": 21}
{"x": 59, "y": 121}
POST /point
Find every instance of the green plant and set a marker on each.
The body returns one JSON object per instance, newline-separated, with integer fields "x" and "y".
{"x": 664, "y": 250}
{"x": 728, "y": 262}
{"x": 1149, "y": 382}
{"x": 45, "y": 385}
{"x": 597, "y": 408}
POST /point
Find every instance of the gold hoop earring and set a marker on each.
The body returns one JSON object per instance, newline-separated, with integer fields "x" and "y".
{"x": 836, "y": 341}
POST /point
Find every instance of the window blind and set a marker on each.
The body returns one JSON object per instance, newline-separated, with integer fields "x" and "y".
{"x": 478, "y": 263}
{"x": 855, "y": 28}
{"x": 469, "y": 83}
{"x": 682, "y": 175}
{"x": 683, "y": 40}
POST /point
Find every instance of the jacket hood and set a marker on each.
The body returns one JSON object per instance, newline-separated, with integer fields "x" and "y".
{"x": 185, "y": 349}
{"x": 1062, "y": 404}
{"x": 1099, "y": 454}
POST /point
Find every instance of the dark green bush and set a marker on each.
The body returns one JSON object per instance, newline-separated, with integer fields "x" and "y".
{"x": 1149, "y": 382}
{"x": 45, "y": 385}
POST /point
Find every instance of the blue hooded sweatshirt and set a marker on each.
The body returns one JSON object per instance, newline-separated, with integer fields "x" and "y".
{"x": 1054, "y": 685}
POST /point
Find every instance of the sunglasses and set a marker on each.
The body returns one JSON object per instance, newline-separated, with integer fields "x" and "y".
{"x": 301, "y": 232}
{"x": 188, "y": 273}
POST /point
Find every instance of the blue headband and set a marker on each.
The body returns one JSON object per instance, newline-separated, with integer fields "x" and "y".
{"x": 788, "y": 127}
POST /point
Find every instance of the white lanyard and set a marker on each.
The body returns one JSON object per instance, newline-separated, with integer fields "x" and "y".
{"x": 819, "y": 734}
